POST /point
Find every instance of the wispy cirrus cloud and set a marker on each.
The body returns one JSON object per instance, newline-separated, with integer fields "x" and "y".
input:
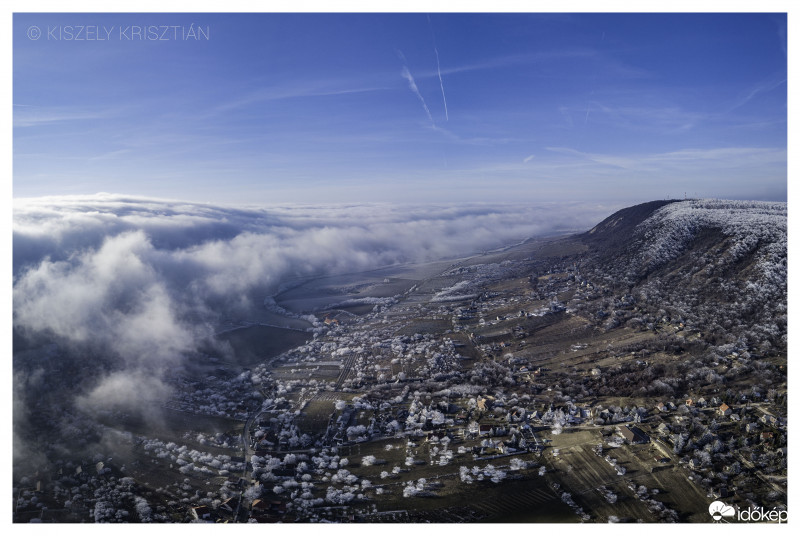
{"x": 26, "y": 115}
{"x": 763, "y": 87}
{"x": 310, "y": 90}
{"x": 663, "y": 119}
{"x": 604, "y": 63}
{"x": 605, "y": 159}
{"x": 513, "y": 60}
{"x": 690, "y": 158}
{"x": 725, "y": 157}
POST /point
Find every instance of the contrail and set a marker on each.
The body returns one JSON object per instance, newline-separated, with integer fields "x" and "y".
{"x": 441, "y": 84}
{"x": 413, "y": 85}
{"x": 438, "y": 69}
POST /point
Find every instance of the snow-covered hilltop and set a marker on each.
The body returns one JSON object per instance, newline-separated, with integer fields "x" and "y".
{"x": 719, "y": 265}
{"x": 750, "y": 227}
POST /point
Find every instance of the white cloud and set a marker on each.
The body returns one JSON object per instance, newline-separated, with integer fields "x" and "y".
{"x": 124, "y": 390}
{"x": 107, "y": 243}
{"x": 146, "y": 280}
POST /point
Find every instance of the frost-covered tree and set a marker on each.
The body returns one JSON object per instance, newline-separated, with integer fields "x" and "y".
{"x": 253, "y": 492}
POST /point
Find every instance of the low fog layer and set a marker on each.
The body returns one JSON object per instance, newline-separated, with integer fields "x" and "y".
{"x": 143, "y": 281}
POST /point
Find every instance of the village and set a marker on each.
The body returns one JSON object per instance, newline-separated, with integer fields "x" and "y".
{"x": 528, "y": 381}
{"x": 367, "y": 414}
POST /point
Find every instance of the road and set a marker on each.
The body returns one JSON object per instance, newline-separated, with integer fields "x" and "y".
{"x": 247, "y": 451}
{"x": 348, "y": 365}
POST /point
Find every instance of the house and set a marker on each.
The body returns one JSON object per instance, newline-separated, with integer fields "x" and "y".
{"x": 768, "y": 419}
{"x": 663, "y": 429}
{"x": 574, "y": 419}
{"x": 435, "y": 437}
{"x": 269, "y": 512}
{"x": 751, "y": 427}
{"x": 689, "y": 402}
{"x": 227, "y": 505}
{"x": 202, "y": 513}
{"x": 485, "y": 429}
{"x": 721, "y": 492}
{"x": 724, "y": 410}
{"x": 278, "y": 507}
{"x": 678, "y": 420}
{"x": 595, "y": 372}
{"x": 493, "y": 447}
{"x": 661, "y": 407}
{"x": 634, "y": 435}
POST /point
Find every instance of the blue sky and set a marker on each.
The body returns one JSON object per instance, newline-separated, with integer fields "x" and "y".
{"x": 310, "y": 108}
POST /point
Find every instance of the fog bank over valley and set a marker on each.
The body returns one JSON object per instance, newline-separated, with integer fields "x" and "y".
{"x": 145, "y": 282}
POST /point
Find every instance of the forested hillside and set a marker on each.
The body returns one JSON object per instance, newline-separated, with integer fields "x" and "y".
{"x": 718, "y": 266}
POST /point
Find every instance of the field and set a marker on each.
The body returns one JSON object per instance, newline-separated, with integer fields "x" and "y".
{"x": 584, "y": 474}
{"x": 315, "y": 416}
